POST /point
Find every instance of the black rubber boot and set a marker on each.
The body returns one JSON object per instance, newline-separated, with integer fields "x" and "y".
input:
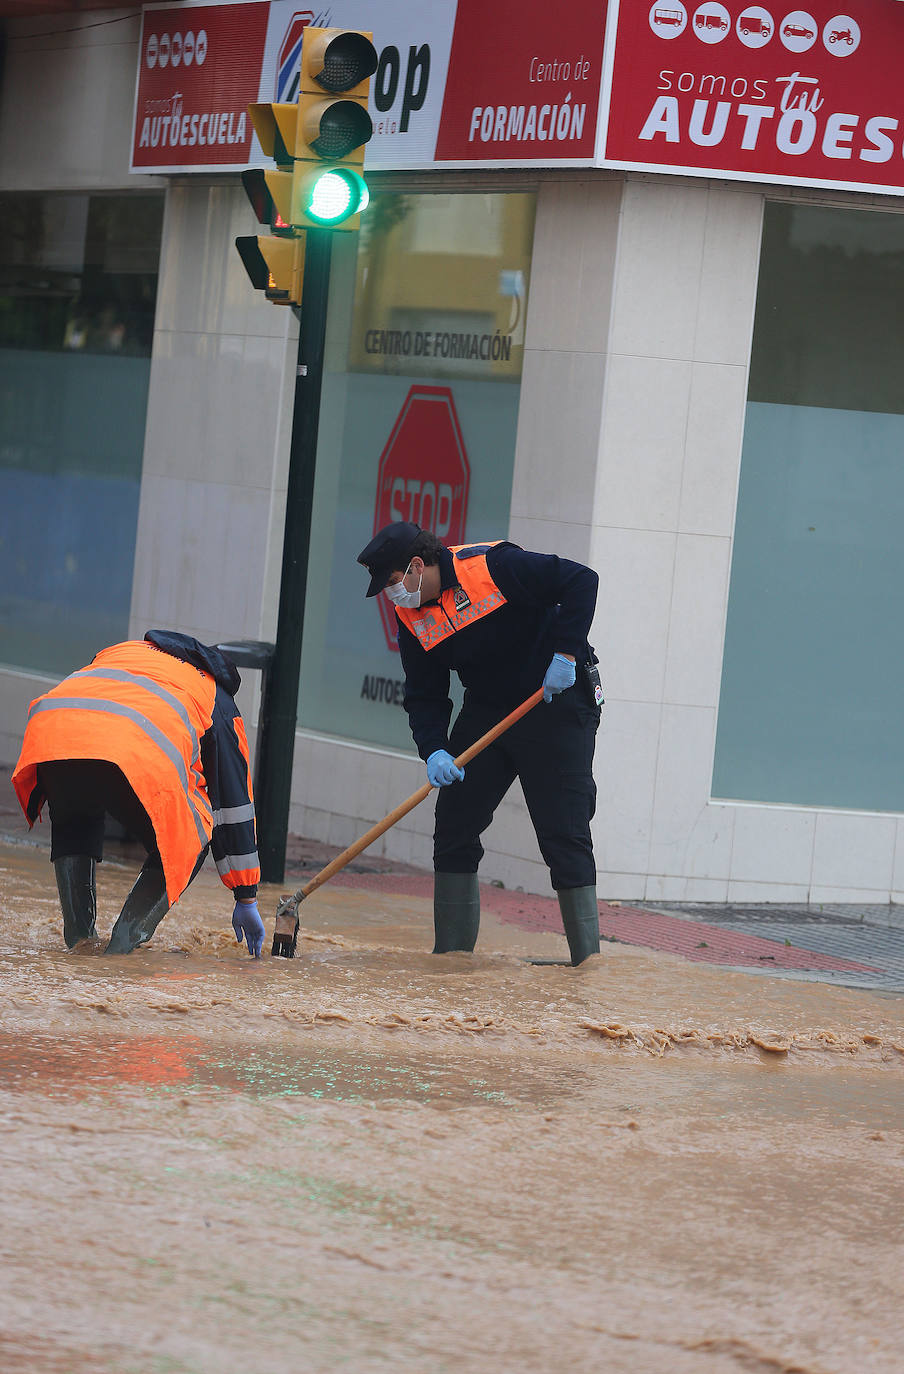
{"x": 456, "y": 911}
{"x": 76, "y": 879}
{"x": 581, "y": 919}
{"x": 144, "y": 909}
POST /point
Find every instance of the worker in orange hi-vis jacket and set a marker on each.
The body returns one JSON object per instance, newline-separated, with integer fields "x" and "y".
{"x": 148, "y": 732}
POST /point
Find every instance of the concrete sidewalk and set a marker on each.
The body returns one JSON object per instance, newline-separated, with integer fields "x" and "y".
{"x": 851, "y": 945}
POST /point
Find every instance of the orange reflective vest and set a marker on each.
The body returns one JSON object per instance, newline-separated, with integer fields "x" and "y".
{"x": 146, "y": 712}
{"x": 475, "y": 596}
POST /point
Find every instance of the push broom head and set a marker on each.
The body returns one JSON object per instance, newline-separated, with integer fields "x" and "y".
{"x": 285, "y": 933}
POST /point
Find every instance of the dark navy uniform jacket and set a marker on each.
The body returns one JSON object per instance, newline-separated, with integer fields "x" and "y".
{"x": 502, "y": 657}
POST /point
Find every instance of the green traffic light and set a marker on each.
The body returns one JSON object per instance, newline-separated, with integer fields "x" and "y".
{"x": 336, "y": 195}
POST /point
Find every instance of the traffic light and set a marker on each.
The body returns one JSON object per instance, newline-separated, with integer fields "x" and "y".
{"x": 318, "y": 144}
{"x": 333, "y": 127}
{"x": 318, "y": 148}
{"x": 275, "y": 266}
{"x": 274, "y": 262}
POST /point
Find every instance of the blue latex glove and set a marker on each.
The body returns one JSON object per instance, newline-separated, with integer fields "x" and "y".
{"x": 559, "y": 676}
{"x": 441, "y": 769}
{"x": 246, "y": 921}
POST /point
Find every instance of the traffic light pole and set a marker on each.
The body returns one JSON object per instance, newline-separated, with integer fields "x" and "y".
{"x": 277, "y": 743}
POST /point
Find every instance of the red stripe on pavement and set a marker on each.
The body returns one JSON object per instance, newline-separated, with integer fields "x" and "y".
{"x": 694, "y": 940}
{"x": 711, "y": 944}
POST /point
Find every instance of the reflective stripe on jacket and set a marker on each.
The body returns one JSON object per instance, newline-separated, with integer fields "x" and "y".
{"x": 475, "y": 596}
{"x": 166, "y": 724}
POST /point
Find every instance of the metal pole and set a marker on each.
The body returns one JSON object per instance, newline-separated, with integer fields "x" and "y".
{"x": 277, "y": 744}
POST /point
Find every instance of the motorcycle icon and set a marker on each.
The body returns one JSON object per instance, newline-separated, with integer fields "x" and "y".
{"x": 841, "y": 36}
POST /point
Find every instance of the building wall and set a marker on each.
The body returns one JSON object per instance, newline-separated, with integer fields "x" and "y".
{"x": 210, "y": 521}
{"x": 66, "y": 103}
{"x": 666, "y": 483}
{"x": 214, "y": 473}
{"x": 632, "y": 411}
{"x": 632, "y": 407}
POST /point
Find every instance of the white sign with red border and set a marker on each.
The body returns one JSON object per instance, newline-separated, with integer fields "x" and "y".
{"x": 462, "y": 84}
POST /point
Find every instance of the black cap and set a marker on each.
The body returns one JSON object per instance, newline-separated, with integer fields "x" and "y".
{"x": 389, "y": 551}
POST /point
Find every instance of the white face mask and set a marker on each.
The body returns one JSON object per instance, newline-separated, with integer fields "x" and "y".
{"x": 399, "y": 596}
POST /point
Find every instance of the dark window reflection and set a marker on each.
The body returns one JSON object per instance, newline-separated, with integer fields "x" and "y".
{"x": 78, "y": 286}
{"x": 828, "y": 317}
{"x": 79, "y": 272}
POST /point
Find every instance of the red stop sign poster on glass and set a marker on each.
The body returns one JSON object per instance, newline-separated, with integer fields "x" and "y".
{"x": 423, "y": 475}
{"x": 767, "y": 92}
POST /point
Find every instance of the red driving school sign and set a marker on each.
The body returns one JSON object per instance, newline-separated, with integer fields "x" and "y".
{"x": 759, "y": 92}
{"x": 195, "y": 83}
{"x": 521, "y": 86}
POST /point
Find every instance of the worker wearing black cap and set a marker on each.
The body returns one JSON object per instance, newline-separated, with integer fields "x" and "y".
{"x": 505, "y": 621}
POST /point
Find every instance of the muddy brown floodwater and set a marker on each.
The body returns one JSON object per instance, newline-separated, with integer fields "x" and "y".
{"x": 371, "y": 1159}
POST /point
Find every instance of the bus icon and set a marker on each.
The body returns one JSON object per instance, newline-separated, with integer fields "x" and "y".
{"x": 668, "y": 20}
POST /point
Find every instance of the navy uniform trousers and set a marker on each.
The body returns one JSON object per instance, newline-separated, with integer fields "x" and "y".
{"x": 79, "y": 793}
{"x": 551, "y": 751}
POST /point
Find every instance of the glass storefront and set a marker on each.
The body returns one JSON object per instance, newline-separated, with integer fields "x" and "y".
{"x": 418, "y": 421}
{"x": 810, "y": 706}
{"x": 78, "y": 285}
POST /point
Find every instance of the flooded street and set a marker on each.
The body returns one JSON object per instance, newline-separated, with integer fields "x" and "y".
{"x": 374, "y": 1159}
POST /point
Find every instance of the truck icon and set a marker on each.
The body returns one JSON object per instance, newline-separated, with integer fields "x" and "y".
{"x": 710, "y": 21}
{"x": 841, "y": 36}
{"x": 797, "y": 31}
{"x": 752, "y": 23}
{"x": 674, "y": 17}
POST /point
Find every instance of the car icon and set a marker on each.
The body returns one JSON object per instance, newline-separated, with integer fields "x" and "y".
{"x": 841, "y": 36}
{"x": 797, "y": 31}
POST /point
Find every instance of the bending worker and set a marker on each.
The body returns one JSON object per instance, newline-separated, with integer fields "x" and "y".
{"x": 504, "y": 620}
{"x": 150, "y": 733}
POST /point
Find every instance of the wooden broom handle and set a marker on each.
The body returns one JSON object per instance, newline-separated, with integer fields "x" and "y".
{"x": 415, "y": 799}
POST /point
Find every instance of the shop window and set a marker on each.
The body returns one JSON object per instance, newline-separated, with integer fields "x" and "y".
{"x": 418, "y": 421}
{"x": 811, "y": 686}
{"x": 78, "y": 284}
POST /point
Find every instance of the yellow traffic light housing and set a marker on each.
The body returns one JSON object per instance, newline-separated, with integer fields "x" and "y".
{"x": 329, "y": 197}
{"x": 318, "y": 147}
{"x": 337, "y": 60}
{"x": 270, "y": 193}
{"x": 275, "y": 266}
{"x": 334, "y": 130}
{"x": 275, "y": 126}
{"x": 333, "y": 127}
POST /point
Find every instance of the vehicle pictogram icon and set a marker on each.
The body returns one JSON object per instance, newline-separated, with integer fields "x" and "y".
{"x": 798, "y": 30}
{"x": 711, "y": 22}
{"x": 668, "y": 19}
{"x": 755, "y": 26}
{"x": 841, "y": 35}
